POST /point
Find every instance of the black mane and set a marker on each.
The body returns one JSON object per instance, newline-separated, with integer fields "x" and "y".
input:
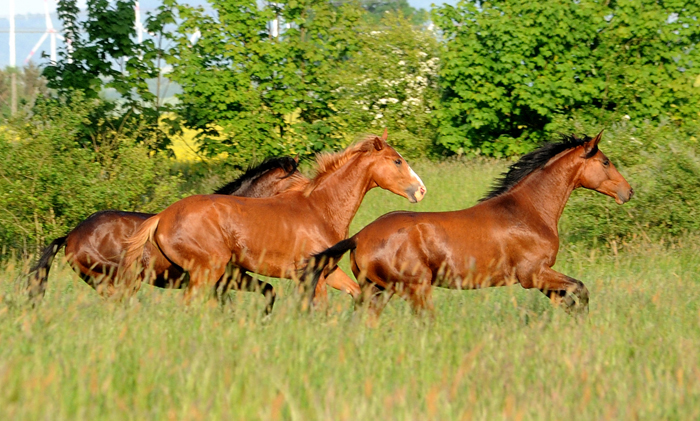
{"x": 531, "y": 162}
{"x": 255, "y": 170}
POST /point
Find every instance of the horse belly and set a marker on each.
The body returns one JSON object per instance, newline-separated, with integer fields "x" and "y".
{"x": 456, "y": 258}
{"x": 473, "y": 266}
{"x": 280, "y": 259}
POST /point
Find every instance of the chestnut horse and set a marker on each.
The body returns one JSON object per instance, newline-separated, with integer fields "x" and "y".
{"x": 273, "y": 236}
{"x": 96, "y": 246}
{"x": 511, "y": 236}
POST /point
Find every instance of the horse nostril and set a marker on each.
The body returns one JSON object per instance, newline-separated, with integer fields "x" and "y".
{"x": 422, "y": 190}
{"x": 631, "y": 192}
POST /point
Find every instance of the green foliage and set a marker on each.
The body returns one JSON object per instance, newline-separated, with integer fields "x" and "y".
{"x": 511, "y": 66}
{"x": 51, "y": 180}
{"x": 103, "y": 52}
{"x": 391, "y": 81}
{"x": 254, "y": 93}
{"x": 104, "y": 55}
{"x": 662, "y": 165}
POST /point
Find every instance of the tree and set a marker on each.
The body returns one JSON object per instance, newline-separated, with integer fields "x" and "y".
{"x": 105, "y": 55}
{"x": 510, "y": 66}
{"x": 391, "y": 81}
{"x": 257, "y": 82}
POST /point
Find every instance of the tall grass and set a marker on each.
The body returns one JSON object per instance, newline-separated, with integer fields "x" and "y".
{"x": 501, "y": 353}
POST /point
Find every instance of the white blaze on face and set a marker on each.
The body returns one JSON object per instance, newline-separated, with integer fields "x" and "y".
{"x": 420, "y": 192}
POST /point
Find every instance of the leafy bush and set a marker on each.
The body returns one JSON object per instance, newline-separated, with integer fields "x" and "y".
{"x": 53, "y": 175}
{"x": 661, "y": 163}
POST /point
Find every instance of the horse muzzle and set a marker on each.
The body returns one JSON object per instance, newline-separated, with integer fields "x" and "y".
{"x": 416, "y": 193}
{"x": 624, "y": 196}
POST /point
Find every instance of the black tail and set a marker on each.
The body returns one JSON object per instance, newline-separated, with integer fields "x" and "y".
{"x": 326, "y": 259}
{"x": 40, "y": 272}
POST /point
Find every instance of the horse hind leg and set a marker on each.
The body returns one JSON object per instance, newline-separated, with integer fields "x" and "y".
{"x": 102, "y": 281}
{"x": 372, "y": 297}
{"x": 414, "y": 284}
{"x": 419, "y": 296}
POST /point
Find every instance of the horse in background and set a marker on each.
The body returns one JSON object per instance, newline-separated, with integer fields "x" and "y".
{"x": 511, "y": 236}
{"x": 96, "y": 246}
{"x": 272, "y": 236}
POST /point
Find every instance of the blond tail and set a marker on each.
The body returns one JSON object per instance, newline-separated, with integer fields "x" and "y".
{"x": 136, "y": 243}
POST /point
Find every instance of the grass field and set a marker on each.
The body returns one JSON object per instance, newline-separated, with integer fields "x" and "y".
{"x": 501, "y": 353}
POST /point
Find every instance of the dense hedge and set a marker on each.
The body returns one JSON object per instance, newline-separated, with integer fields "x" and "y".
{"x": 54, "y": 175}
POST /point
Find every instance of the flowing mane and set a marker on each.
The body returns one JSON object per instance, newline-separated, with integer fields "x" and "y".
{"x": 286, "y": 163}
{"x": 531, "y": 162}
{"x": 328, "y": 162}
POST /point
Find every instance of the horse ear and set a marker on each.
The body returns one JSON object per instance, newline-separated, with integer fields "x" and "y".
{"x": 385, "y": 135}
{"x": 296, "y": 158}
{"x": 378, "y": 143}
{"x": 591, "y": 147}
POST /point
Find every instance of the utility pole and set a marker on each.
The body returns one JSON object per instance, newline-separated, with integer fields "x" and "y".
{"x": 13, "y": 63}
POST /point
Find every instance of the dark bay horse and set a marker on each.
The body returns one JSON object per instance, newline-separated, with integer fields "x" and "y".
{"x": 272, "y": 236}
{"x": 511, "y": 236}
{"x": 96, "y": 246}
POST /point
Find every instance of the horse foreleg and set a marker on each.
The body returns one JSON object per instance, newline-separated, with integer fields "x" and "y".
{"x": 561, "y": 290}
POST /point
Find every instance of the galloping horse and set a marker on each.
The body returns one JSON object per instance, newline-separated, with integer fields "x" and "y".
{"x": 96, "y": 246}
{"x": 511, "y": 236}
{"x": 273, "y": 236}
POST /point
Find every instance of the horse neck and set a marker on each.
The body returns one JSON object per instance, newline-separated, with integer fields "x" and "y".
{"x": 246, "y": 189}
{"x": 546, "y": 191}
{"x": 340, "y": 194}
{"x": 262, "y": 185}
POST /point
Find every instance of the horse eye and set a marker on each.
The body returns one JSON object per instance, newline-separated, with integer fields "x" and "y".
{"x": 397, "y": 162}
{"x": 606, "y": 162}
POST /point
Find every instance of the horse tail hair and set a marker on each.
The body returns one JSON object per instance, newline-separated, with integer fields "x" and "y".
{"x": 327, "y": 259}
{"x": 39, "y": 273}
{"x": 136, "y": 243}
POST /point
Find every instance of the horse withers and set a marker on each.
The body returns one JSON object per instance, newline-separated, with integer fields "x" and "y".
{"x": 273, "y": 236}
{"x": 511, "y": 236}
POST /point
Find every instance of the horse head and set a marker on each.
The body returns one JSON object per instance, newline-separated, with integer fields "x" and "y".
{"x": 390, "y": 171}
{"x": 600, "y": 174}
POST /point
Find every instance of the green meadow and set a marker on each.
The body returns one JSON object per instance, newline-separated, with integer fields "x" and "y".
{"x": 500, "y": 353}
